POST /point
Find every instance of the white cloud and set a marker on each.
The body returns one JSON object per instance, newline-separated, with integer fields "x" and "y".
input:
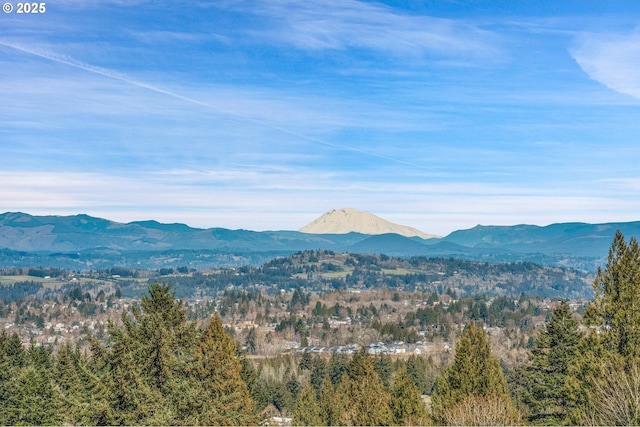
{"x": 612, "y": 60}
{"x": 345, "y": 24}
{"x": 243, "y": 120}
{"x": 287, "y": 199}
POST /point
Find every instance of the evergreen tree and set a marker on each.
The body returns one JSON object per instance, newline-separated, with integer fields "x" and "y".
{"x": 83, "y": 395}
{"x": 11, "y": 350}
{"x": 305, "y": 361}
{"x": 475, "y": 371}
{"x": 73, "y": 393}
{"x": 159, "y": 370}
{"x": 28, "y": 395}
{"x": 342, "y": 400}
{"x": 406, "y": 403}
{"x": 249, "y": 375}
{"x": 144, "y": 362}
{"x": 615, "y": 309}
{"x": 338, "y": 364}
{"x": 12, "y": 359}
{"x": 591, "y": 365}
{"x": 318, "y": 372}
{"x": 368, "y": 402}
{"x": 165, "y": 336}
{"x": 218, "y": 370}
{"x": 251, "y": 341}
{"x": 132, "y": 398}
{"x": 33, "y": 399}
{"x": 421, "y": 372}
{"x": 293, "y": 386}
{"x": 547, "y": 379}
{"x": 355, "y": 366}
{"x": 40, "y": 357}
{"x": 330, "y": 408}
{"x": 307, "y": 412}
{"x": 612, "y": 348}
{"x": 384, "y": 369}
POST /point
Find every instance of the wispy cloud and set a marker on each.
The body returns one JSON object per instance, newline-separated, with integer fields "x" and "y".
{"x": 240, "y": 198}
{"x": 239, "y": 112}
{"x": 349, "y": 24}
{"x": 611, "y": 59}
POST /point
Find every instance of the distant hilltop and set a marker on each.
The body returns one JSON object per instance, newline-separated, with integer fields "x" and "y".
{"x": 349, "y": 220}
{"x": 82, "y": 242}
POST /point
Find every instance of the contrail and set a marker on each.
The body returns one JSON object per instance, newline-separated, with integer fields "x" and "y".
{"x": 118, "y": 76}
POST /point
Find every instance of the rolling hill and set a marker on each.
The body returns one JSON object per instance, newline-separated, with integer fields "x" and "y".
{"x": 82, "y": 241}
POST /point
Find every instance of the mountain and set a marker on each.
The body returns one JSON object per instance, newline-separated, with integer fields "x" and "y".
{"x": 389, "y": 244}
{"x": 23, "y": 232}
{"x": 347, "y": 220}
{"x": 576, "y": 238}
{"x": 81, "y": 242}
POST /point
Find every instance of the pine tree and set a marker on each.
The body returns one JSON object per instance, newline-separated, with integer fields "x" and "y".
{"x": 307, "y": 412}
{"x": 40, "y": 357}
{"x": 330, "y": 408}
{"x": 33, "y": 400}
{"x": 158, "y": 369}
{"x": 249, "y": 375}
{"x": 305, "y": 361}
{"x": 612, "y": 348}
{"x": 132, "y": 393}
{"x": 342, "y": 399}
{"x": 355, "y": 366}
{"x": 368, "y": 402}
{"x": 251, "y": 340}
{"x": 11, "y": 350}
{"x": 338, "y": 364}
{"x": 475, "y": 372}
{"x": 73, "y": 393}
{"x": 164, "y": 333}
{"x": 406, "y": 402}
{"x": 547, "y": 379}
{"x": 421, "y": 372}
{"x": 145, "y": 361}
{"x": 318, "y": 372}
{"x": 615, "y": 309}
{"x": 83, "y": 394}
{"x": 218, "y": 369}
{"x": 12, "y": 359}
{"x": 384, "y": 369}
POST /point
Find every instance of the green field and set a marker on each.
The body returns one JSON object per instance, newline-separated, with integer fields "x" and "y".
{"x": 335, "y": 274}
{"x": 10, "y": 280}
{"x": 54, "y": 283}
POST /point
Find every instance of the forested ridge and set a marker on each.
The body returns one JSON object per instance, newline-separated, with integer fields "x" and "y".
{"x": 157, "y": 367}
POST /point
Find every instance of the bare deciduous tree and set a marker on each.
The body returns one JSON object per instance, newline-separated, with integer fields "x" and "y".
{"x": 475, "y": 410}
{"x": 616, "y": 398}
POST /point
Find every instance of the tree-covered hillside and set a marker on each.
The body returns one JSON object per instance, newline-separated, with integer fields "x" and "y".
{"x": 325, "y": 270}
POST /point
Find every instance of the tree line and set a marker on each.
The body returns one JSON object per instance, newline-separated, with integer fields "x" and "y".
{"x": 155, "y": 369}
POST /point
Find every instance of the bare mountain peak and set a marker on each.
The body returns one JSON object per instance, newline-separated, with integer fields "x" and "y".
{"x": 347, "y": 220}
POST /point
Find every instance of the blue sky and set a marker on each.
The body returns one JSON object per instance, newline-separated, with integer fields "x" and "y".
{"x": 265, "y": 114}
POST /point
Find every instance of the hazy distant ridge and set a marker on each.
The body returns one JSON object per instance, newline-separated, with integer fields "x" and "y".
{"x": 24, "y": 232}
{"x": 578, "y": 245}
